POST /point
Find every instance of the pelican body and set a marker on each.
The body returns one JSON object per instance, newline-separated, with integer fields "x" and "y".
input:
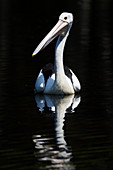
{"x": 57, "y": 78}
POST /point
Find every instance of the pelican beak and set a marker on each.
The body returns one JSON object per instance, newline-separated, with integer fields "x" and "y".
{"x": 57, "y": 30}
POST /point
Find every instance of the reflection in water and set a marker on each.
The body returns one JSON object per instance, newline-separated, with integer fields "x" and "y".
{"x": 86, "y": 137}
{"x": 46, "y": 150}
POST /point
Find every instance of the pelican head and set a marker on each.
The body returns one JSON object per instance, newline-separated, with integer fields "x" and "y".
{"x": 66, "y": 17}
{"x": 61, "y": 28}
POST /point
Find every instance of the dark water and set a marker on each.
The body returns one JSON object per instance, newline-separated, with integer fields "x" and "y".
{"x": 42, "y": 132}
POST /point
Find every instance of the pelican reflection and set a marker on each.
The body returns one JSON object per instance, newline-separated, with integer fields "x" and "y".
{"x": 46, "y": 149}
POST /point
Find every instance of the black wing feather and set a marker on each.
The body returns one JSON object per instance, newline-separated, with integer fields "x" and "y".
{"x": 48, "y": 70}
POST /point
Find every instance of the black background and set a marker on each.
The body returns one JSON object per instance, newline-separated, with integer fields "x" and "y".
{"x": 88, "y": 52}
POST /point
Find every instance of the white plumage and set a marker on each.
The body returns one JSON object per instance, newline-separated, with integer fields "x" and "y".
{"x": 57, "y": 78}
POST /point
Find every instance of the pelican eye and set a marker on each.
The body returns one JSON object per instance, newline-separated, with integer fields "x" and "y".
{"x": 65, "y": 18}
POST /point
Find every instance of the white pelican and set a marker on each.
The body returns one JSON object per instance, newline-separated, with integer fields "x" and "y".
{"x": 57, "y": 78}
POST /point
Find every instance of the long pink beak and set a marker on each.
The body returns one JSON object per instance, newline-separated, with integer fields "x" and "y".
{"x": 57, "y": 29}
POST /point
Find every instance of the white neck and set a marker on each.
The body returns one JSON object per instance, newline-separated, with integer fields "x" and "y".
{"x": 59, "y": 67}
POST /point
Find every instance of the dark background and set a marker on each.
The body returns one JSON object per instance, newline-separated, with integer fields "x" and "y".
{"x": 23, "y": 25}
{"x": 88, "y": 52}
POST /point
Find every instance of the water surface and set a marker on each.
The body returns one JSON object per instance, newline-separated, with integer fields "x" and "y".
{"x": 71, "y": 132}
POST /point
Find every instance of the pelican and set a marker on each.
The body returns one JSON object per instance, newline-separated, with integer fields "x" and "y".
{"x": 57, "y": 78}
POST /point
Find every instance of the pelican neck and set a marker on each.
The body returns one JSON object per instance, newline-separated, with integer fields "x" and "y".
{"x": 59, "y": 67}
